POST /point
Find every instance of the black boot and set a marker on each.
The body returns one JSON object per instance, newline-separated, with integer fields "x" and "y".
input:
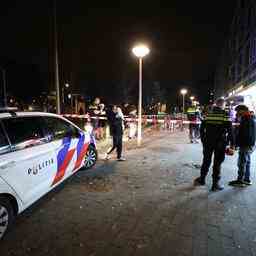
{"x": 199, "y": 181}
{"x": 217, "y": 187}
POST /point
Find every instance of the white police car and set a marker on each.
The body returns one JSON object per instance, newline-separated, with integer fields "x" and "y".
{"x": 38, "y": 151}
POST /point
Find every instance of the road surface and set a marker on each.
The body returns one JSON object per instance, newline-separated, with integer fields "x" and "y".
{"x": 144, "y": 206}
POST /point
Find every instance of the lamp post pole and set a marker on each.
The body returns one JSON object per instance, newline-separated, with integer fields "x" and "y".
{"x": 183, "y": 93}
{"x": 57, "y": 83}
{"x": 140, "y": 51}
{"x": 183, "y": 108}
{"x": 4, "y": 87}
{"x": 140, "y": 104}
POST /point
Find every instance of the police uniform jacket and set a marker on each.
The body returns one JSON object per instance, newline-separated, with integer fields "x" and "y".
{"x": 193, "y": 114}
{"x": 216, "y": 128}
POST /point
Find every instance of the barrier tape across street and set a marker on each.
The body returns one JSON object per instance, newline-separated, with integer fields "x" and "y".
{"x": 144, "y": 119}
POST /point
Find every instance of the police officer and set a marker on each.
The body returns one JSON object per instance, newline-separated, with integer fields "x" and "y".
{"x": 216, "y": 133}
{"x": 194, "y": 116}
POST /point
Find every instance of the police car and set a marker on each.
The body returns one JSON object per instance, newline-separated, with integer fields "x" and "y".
{"x": 38, "y": 151}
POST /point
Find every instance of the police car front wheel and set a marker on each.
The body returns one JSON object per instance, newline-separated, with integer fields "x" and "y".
{"x": 90, "y": 157}
{"x": 6, "y": 216}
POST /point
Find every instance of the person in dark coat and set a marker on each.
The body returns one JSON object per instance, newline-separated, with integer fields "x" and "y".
{"x": 116, "y": 122}
{"x": 216, "y": 133}
{"x": 110, "y": 117}
{"x": 245, "y": 141}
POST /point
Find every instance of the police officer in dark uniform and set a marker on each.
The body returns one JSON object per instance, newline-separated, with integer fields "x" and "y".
{"x": 194, "y": 116}
{"x": 216, "y": 133}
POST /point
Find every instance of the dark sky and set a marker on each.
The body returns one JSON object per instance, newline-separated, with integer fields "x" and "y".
{"x": 95, "y": 43}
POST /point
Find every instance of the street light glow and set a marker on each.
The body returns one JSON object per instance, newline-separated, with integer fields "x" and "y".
{"x": 66, "y": 85}
{"x": 183, "y": 91}
{"x": 140, "y": 51}
{"x": 192, "y": 98}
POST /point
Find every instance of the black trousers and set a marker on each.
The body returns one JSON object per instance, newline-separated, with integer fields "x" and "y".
{"x": 219, "y": 156}
{"x": 117, "y": 144}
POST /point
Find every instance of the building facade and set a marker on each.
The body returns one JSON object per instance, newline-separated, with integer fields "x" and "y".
{"x": 235, "y": 77}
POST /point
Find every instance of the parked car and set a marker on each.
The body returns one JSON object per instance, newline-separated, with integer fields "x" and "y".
{"x": 38, "y": 151}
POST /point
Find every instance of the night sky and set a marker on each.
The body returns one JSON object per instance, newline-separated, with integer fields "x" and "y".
{"x": 95, "y": 45}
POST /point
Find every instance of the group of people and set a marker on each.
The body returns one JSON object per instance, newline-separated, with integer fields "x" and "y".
{"x": 114, "y": 118}
{"x": 219, "y": 137}
{"x": 215, "y": 129}
{"x": 97, "y": 111}
{"x": 194, "y": 117}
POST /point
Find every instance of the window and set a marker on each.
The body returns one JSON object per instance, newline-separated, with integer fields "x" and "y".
{"x": 58, "y": 129}
{"x": 4, "y": 145}
{"x": 24, "y": 132}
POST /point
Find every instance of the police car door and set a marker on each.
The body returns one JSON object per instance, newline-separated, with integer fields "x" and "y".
{"x": 31, "y": 160}
{"x": 65, "y": 138}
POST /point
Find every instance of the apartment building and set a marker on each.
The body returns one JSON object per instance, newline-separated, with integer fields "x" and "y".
{"x": 235, "y": 77}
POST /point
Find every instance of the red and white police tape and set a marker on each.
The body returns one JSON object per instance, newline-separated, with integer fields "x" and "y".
{"x": 154, "y": 119}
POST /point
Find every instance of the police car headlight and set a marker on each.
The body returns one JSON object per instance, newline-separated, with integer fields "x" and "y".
{"x": 88, "y": 128}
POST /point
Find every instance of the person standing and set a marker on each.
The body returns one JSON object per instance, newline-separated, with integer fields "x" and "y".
{"x": 216, "y": 133}
{"x": 94, "y": 111}
{"x": 194, "y": 117}
{"x": 116, "y": 127}
{"x": 245, "y": 141}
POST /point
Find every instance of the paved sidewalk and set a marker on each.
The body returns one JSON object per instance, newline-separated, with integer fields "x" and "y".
{"x": 144, "y": 206}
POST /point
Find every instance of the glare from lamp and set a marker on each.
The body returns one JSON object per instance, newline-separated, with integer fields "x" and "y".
{"x": 183, "y": 91}
{"x": 140, "y": 51}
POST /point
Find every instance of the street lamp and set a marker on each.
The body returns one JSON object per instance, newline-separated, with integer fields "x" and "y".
{"x": 192, "y": 98}
{"x": 140, "y": 51}
{"x": 183, "y": 93}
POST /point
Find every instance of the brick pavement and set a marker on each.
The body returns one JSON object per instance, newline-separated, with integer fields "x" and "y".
{"x": 144, "y": 206}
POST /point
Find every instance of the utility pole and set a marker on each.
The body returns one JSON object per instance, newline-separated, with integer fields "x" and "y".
{"x": 57, "y": 82}
{"x": 4, "y": 87}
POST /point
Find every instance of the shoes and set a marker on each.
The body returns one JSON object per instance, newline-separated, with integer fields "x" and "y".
{"x": 106, "y": 157}
{"x": 199, "y": 182}
{"x": 247, "y": 182}
{"x": 191, "y": 141}
{"x": 217, "y": 187}
{"x": 121, "y": 159}
{"x": 237, "y": 183}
